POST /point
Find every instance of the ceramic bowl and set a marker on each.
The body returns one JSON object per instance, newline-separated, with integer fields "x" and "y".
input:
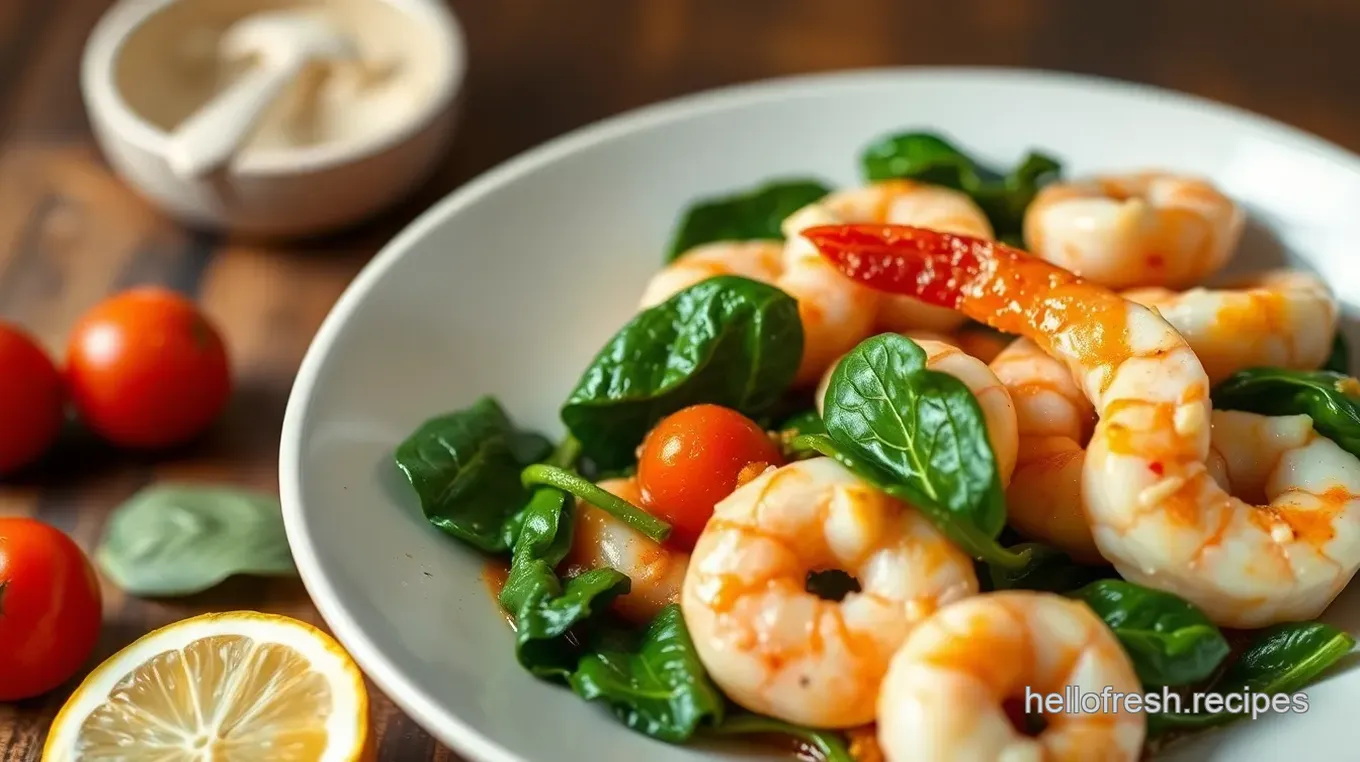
{"x": 274, "y": 193}
{"x": 510, "y": 285}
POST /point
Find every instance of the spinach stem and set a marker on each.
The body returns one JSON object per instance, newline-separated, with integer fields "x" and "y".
{"x": 829, "y": 744}
{"x": 566, "y": 454}
{"x": 553, "y": 476}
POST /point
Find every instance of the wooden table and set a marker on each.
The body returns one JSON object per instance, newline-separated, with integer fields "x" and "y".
{"x": 70, "y": 233}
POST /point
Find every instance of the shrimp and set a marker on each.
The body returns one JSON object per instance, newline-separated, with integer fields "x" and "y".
{"x": 1280, "y": 318}
{"x": 1147, "y": 229}
{"x": 836, "y": 313}
{"x": 775, "y": 648}
{"x": 942, "y": 698}
{"x": 601, "y": 540}
{"x": 1154, "y": 507}
{"x": 997, "y": 408}
{"x": 911, "y": 203}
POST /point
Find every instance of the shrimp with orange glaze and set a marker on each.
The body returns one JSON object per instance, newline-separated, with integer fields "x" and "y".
{"x": 997, "y": 408}
{"x": 836, "y": 312}
{"x": 907, "y": 202}
{"x": 657, "y": 571}
{"x": 943, "y": 697}
{"x": 1146, "y": 229}
{"x": 1155, "y": 510}
{"x": 1280, "y": 318}
{"x": 778, "y": 649}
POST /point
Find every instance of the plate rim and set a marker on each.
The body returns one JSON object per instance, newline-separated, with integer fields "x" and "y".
{"x": 443, "y": 725}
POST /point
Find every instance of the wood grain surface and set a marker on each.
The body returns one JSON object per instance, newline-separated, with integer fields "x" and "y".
{"x": 71, "y": 233}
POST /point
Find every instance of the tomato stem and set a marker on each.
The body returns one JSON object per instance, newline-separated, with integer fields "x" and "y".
{"x": 546, "y": 474}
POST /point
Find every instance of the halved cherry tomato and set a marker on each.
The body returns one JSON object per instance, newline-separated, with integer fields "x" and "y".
{"x": 694, "y": 458}
{"x": 146, "y": 369}
{"x": 31, "y": 400}
{"x": 49, "y": 608}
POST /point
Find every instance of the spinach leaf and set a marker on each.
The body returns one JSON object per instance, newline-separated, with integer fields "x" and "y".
{"x": 1049, "y": 570}
{"x": 728, "y": 340}
{"x": 544, "y": 609}
{"x": 1339, "y": 361}
{"x": 828, "y": 745}
{"x": 181, "y": 539}
{"x": 1331, "y": 399}
{"x": 930, "y": 158}
{"x": 1168, "y": 639}
{"x": 806, "y": 422}
{"x": 654, "y": 683}
{"x": 922, "y": 432}
{"x": 1285, "y": 658}
{"x": 751, "y": 215}
{"x": 574, "y": 484}
{"x": 465, "y": 467}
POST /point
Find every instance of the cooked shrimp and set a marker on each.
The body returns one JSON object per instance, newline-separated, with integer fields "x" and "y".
{"x": 1154, "y": 507}
{"x": 907, "y": 202}
{"x": 1053, "y": 423}
{"x": 775, "y": 648}
{"x": 1148, "y": 229}
{"x": 836, "y": 313}
{"x": 992, "y": 397}
{"x": 601, "y": 540}
{"x": 983, "y": 344}
{"x": 943, "y": 696}
{"x": 1281, "y": 318}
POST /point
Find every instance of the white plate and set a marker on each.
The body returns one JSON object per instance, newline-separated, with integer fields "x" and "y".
{"x": 512, "y": 283}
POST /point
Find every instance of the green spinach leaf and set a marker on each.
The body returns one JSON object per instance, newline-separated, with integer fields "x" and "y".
{"x": 1168, "y": 639}
{"x": 728, "y": 340}
{"x": 1285, "y": 658}
{"x": 465, "y": 467}
{"x": 654, "y": 683}
{"x": 751, "y": 215}
{"x": 930, "y": 158}
{"x": 1339, "y": 361}
{"x": 1049, "y": 570}
{"x": 1331, "y": 399}
{"x": 804, "y": 423}
{"x": 544, "y": 609}
{"x": 922, "y": 432}
{"x": 180, "y": 539}
{"x": 828, "y": 745}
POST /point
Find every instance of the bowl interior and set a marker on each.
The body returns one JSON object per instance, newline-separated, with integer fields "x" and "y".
{"x": 510, "y": 286}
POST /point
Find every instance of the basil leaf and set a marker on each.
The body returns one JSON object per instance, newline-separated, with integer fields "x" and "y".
{"x": 653, "y": 683}
{"x": 921, "y": 431}
{"x": 465, "y": 467}
{"x": 1339, "y": 361}
{"x": 180, "y": 539}
{"x": 929, "y": 158}
{"x": 1049, "y": 570}
{"x": 1285, "y": 658}
{"x": 728, "y": 340}
{"x": 1331, "y": 399}
{"x": 963, "y": 534}
{"x": 1168, "y": 639}
{"x": 544, "y": 609}
{"x": 828, "y": 745}
{"x": 751, "y": 215}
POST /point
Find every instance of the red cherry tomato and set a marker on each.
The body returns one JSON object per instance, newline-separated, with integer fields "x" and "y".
{"x": 49, "y": 608}
{"x": 693, "y": 459}
{"x": 146, "y": 369}
{"x": 31, "y": 401}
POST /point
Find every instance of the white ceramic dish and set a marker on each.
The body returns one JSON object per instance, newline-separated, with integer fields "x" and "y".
{"x": 282, "y": 192}
{"x": 512, "y": 283}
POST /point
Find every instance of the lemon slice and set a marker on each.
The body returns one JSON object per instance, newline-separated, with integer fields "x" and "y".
{"x": 237, "y": 687}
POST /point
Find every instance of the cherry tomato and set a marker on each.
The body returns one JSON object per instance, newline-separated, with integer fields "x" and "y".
{"x": 147, "y": 370}
{"x": 31, "y": 402}
{"x": 49, "y": 608}
{"x": 693, "y": 459}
